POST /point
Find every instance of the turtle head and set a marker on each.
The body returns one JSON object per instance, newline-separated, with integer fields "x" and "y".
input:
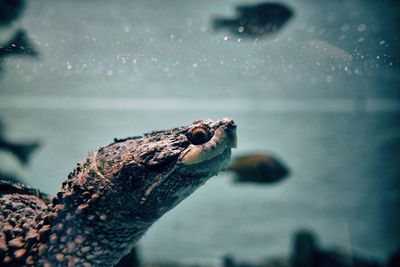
{"x": 118, "y": 192}
{"x": 152, "y": 173}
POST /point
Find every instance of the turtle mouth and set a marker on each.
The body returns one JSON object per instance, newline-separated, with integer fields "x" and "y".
{"x": 220, "y": 144}
{"x": 221, "y": 161}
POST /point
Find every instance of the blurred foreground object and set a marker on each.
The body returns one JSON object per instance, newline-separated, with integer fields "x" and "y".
{"x": 306, "y": 253}
{"x": 258, "y": 168}
{"x": 255, "y": 20}
{"x": 130, "y": 260}
{"x": 394, "y": 260}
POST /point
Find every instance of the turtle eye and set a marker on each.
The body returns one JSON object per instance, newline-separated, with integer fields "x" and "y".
{"x": 199, "y": 135}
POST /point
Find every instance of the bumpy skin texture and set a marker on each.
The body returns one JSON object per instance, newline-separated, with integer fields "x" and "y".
{"x": 111, "y": 198}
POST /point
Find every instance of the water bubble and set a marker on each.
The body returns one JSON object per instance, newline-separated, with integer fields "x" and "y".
{"x": 189, "y": 22}
{"x": 361, "y": 27}
{"x": 345, "y": 28}
{"x": 109, "y": 72}
{"x": 226, "y": 38}
{"x": 127, "y": 29}
{"x": 241, "y": 29}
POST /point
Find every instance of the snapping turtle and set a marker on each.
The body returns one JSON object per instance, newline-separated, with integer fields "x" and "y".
{"x": 112, "y": 197}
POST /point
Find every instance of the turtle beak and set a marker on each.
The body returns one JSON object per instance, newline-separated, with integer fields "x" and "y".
{"x": 230, "y": 128}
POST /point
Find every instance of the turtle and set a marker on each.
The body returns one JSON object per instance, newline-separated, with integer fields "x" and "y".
{"x": 112, "y": 197}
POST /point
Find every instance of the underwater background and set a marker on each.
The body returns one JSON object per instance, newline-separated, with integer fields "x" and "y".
{"x": 321, "y": 91}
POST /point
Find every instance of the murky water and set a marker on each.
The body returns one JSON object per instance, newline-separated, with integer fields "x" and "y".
{"x": 115, "y": 69}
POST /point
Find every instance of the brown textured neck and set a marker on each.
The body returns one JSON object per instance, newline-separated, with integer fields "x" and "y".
{"x": 85, "y": 225}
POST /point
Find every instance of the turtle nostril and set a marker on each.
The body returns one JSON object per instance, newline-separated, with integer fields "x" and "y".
{"x": 229, "y": 122}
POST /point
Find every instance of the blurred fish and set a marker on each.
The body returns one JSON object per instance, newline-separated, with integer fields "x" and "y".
{"x": 13, "y": 39}
{"x": 258, "y": 168}
{"x": 255, "y": 20}
{"x": 22, "y": 151}
{"x": 10, "y": 177}
{"x": 10, "y": 10}
{"x": 19, "y": 45}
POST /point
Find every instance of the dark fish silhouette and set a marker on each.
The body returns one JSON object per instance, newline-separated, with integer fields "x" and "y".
{"x": 255, "y": 20}
{"x": 10, "y": 10}
{"x": 13, "y": 40}
{"x": 22, "y": 151}
{"x": 10, "y": 177}
{"x": 258, "y": 168}
{"x": 19, "y": 45}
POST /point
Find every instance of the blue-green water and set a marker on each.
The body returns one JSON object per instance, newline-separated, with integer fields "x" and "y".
{"x": 113, "y": 69}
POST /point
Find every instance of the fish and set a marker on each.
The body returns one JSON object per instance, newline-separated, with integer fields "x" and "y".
{"x": 20, "y": 44}
{"x": 258, "y": 168}
{"x": 255, "y": 20}
{"x": 23, "y": 151}
{"x": 4, "y": 176}
{"x": 10, "y": 11}
{"x": 13, "y": 39}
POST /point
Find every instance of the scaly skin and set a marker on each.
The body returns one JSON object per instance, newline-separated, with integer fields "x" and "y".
{"x": 112, "y": 198}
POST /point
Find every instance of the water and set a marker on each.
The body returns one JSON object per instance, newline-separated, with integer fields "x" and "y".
{"x": 123, "y": 68}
